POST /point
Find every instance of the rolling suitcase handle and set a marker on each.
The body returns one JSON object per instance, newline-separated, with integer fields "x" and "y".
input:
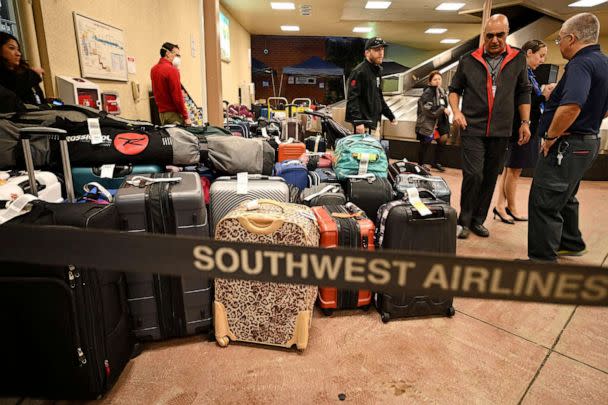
{"x": 25, "y": 134}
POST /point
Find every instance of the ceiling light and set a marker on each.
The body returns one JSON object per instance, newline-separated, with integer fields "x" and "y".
{"x": 283, "y": 6}
{"x": 290, "y": 28}
{"x": 450, "y": 41}
{"x": 362, "y": 29}
{"x": 449, "y": 6}
{"x": 435, "y": 31}
{"x": 587, "y": 3}
{"x": 378, "y": 5}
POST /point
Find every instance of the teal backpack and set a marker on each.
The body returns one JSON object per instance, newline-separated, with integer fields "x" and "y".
{"x": 359, "y": 154}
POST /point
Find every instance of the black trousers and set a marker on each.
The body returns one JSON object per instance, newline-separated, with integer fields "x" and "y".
{"x": 482, "y": 159}
{"x": 552, "y": 205}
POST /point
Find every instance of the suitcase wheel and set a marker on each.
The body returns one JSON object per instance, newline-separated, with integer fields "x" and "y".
{"x": 222, "y": 341}
{"x": 366, "y": 307}
{"x": 385, "y": 316}
{"x": 327, "y": 311}
{"x": 451, "y": 312}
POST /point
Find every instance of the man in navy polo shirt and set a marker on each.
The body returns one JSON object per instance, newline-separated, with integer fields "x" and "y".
{"x": 570, "y": 125}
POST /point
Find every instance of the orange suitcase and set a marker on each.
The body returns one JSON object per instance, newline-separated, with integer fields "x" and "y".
{"x": 344, "y": 226}
{"x": 291, "y": 151}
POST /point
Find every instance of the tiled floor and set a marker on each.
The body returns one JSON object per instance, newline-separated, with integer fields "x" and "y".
{"x": 490, "y": 352}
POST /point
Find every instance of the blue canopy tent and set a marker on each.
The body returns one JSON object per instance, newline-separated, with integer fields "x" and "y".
{"x": 260, "y": 68}
{"x": 314, "y": 66}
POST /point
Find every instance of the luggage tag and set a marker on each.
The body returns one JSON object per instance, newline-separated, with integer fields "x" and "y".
{"x": 364, "y": 160}
{"x": 94, "y": 131}
{"x": 264, "y": 132}
{"x": 416, "y": 202}
{"x": 242, "y": 183}
{"x": 107, "y": 171}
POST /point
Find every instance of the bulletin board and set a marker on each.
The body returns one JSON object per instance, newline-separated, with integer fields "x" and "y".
{"x": 101, "y": 49}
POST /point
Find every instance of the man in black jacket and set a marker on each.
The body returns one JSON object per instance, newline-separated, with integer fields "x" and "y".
{"x": 365, "y": 100}
{"x": 492, "y": 81}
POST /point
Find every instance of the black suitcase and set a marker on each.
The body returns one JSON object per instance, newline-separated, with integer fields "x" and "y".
{"x": 369, "y": 193}
{"x": 403, "y": 228}
{"x": 315, "y": 143}
{"x": 65, "y": 330}
{"x": 323, "y": 194}
{"x": 403, "y": 166}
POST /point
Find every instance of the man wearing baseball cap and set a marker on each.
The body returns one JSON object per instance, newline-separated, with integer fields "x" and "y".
{"x": 365, "y": 100}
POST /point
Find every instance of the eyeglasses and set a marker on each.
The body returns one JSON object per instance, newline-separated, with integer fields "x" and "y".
{"x": 499, "y": 35}
{"x": 558, "y": 40}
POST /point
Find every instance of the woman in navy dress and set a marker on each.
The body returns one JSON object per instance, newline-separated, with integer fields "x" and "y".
{"x": 521, "y": 156}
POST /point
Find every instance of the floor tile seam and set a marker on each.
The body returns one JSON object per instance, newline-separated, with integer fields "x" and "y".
{"x": 580, "y": 361}
{"x": 551, "y": 350}
{"x": 504, "y": 330}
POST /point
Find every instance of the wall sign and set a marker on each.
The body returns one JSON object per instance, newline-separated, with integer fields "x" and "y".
{"x": 101, "y": 49}
{"x": 225, "y": 38}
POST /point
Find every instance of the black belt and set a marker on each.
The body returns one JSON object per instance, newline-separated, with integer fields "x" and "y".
{"x": 586, "y": 137}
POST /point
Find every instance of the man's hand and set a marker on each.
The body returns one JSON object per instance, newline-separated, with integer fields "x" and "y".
{"x": 360, "y": 129}
{"x": 187, "y": 122}
{"x": 524, "y": 134}
{"x": 39, "y": 71}
{"x": 460, "y": 120}
{"x": 547, "y": 90}
{"x": 394, "y": 123}
{"x": 547, "y": 144}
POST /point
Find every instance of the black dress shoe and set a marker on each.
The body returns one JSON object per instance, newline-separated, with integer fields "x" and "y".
{"x": 464, "y": 233}
{"x": 503, "y": 219}
{"x": 480, "y": 230}
{"x": 522, "y": 219}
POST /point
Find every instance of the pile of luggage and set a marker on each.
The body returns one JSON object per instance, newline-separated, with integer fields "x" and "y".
{"x": 70, "y": 331}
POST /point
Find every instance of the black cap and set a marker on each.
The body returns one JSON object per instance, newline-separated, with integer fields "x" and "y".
{"x": 375, "y": 42}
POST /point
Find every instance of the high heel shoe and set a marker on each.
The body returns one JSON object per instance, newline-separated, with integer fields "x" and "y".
{"x": 521, "y": 219}
{"x": 503, "y": 219}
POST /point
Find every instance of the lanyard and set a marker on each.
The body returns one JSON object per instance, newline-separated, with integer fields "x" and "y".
{"x": 494, "y": 64}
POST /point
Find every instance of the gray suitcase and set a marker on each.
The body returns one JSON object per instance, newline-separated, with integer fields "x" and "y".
{"x": 224, "y": 197}
{"x": 323, "y": 194}
{"x": 161, "y": 306}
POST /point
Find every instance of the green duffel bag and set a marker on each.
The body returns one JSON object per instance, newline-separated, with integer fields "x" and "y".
{"x": 358, "y": 155}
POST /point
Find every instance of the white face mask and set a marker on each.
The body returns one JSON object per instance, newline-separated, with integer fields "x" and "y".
{"x": 177, "y": 61}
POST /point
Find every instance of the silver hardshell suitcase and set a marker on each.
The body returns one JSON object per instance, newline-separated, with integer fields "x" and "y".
{"x": 161, "y": 306}
{"x": 226, "y": 194}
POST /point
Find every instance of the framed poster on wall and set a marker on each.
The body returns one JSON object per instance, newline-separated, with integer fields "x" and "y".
{"x": 225, "y": 38}
{"x": 101, "y": 49}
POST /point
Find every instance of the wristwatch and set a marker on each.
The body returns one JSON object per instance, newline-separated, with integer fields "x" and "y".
{"x": 549, "y": 138}
{"x": 525, "y": 122}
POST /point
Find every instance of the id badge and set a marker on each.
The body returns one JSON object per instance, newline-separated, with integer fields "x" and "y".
{"x": 441, "y": 102}
{"x": 378, "y": 82}
{"x": 493, "y": 90}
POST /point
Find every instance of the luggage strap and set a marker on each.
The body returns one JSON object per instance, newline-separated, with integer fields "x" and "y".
{"x": 317, "y": 140}
{"x": 100, "y": 190}
{"x": 20, "y": 206}
{"x": 143, "y": 181}
{"x": 334, "y": 188}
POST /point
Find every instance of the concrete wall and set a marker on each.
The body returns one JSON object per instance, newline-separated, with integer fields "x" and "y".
{"x": 238, "y": 70}
{"x": 146, "y": 25}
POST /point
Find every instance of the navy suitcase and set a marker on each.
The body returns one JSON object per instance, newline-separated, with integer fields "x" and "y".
{"x": 293, "y": 171}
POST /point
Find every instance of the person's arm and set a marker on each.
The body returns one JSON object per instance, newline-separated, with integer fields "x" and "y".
{"x": 353, "y": 100}
{"x": 457, "y": 86}
{"x": 522, "y": 100}
{"x": 524, "y": 127}
{"x": 175, "y": 88}
{"x": 574, "y": 95}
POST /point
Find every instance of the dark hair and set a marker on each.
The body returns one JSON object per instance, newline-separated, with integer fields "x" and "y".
{"x": 534, "y": 45}
{"x": 167, "y": 47}
{"x": 433, "y": 74}
{"x": 4, "y": 38}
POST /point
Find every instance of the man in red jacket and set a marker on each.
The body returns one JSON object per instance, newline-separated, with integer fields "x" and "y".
{"x": 167, "y": 88}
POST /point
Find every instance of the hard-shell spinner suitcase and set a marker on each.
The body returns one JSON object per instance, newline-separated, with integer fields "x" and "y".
{"x": 344, "y": 226}
{"x": 65, "y": 328}
{"x": 261, "y": 312}
{"x": 369, "y": 193}
{"x": 403, "y": 228}
{"x": 162, "y": 306}
{"x": 113, "y": 179}
{"x": 290, "y": 150}
{"x": 226, "y": 193}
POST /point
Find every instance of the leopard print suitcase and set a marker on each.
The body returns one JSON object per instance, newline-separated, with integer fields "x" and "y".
{"x": 262, "y": 312}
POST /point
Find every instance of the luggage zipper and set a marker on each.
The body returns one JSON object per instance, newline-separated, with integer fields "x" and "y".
{"x": 73, "y": 274}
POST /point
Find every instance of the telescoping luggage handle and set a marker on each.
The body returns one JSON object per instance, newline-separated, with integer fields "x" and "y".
{"x": 25, "y": 134}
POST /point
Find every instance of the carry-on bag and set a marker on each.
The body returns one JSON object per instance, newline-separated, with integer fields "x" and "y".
{"x": 109, "y": 176}
{"x": 403, "y": 227}
{"x": 229, "y": 155}
{"x": 162, "y": 306}
{"x": 405, "y": 167}
{"x": 294, "y": 173}
{"x": 16, "y": 183}
{"x": 315, "y": 143}
{"x": 344, "y": 226}
{"x": 263, "y": 312}
{"x": 228, "y": 192}
{"x": 320, "y": 176}
{"x": 323, "y": 194}
{"x": 436, "y": 184}
{"x": 359, "y": 155}
{"x": 369, "y": 193}
{"x": 290, "y": 150}
{"x": 65, "y": 331}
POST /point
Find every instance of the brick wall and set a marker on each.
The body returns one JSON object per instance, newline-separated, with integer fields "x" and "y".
{"x": 286, "y": 51}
